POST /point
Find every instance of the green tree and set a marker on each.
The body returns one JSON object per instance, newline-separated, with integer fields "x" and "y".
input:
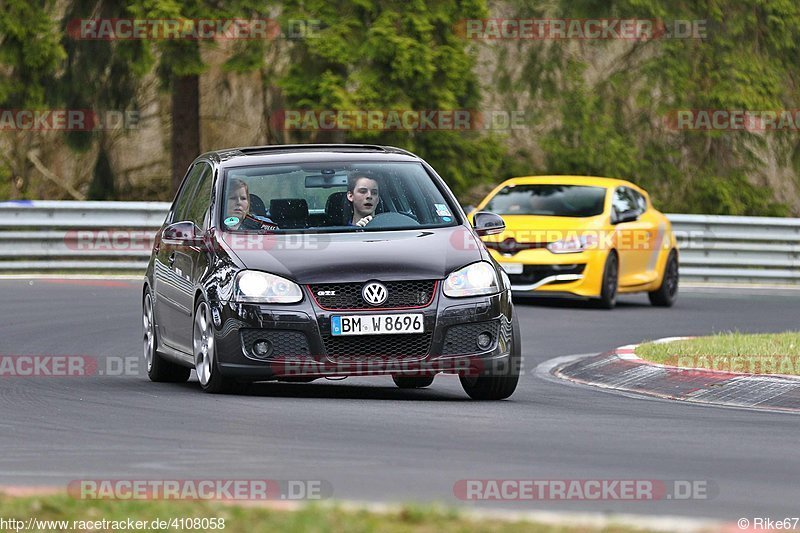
{"x": 180, "y": 64}
{"x": 393, "y": 55}
{"x": 30, "y": 56}
{"x": 101, "y": 75}
{"x": 611, "y": 118}
{"x": 103, "y": 186}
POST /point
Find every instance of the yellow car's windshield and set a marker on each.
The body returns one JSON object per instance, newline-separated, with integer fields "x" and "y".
{"x": 548, "y": 200}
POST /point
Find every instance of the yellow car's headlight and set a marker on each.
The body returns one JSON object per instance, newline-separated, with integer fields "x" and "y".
{"x": 570, "y": 245}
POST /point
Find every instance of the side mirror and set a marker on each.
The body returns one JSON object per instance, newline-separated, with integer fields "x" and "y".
{"x": 486, "y": 223}
{"x": 184, "y": 233}
{"x": 626, "y": 216}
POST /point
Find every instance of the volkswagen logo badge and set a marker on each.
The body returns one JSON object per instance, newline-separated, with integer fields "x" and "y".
{"x": 374, "y": 293}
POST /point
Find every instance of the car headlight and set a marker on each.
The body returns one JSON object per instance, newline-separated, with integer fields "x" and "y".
{"x": 571, "y": 245}
{"x": 260, "y": 287}
{"x": 472, "y": 280}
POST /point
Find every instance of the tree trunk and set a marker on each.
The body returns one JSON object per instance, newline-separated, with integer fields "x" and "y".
{"x": 102, "y": 186}
{"x": 185, "y": 125}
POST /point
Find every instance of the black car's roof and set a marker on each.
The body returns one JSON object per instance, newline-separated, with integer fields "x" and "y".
{"x": 306, "y": 153}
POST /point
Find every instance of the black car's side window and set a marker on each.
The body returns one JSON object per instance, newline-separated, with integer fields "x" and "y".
{"x": 201, "y": 198}
{"x": 186, "y": 194}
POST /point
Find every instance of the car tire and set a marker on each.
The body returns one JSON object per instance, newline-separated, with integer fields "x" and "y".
{"x": 412, "y": 382}
{"x": 158, "y": 369}
{"x": 608, "y": 292}
{"x": 204, "y": 349}
{"x": 498, "y": 383}
{"x": 667, "y": 293}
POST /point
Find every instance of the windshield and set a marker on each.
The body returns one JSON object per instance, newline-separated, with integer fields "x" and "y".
{"x": 548, "y": 200}
{"x": 332, "y": 197}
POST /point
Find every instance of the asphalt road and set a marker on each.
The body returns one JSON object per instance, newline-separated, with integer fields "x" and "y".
{"x": 374, "y": 442}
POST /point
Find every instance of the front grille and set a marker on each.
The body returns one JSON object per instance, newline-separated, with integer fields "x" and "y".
{"x": 511, "y": 246}
{"x": 285, "y": 343}
{"x": 363, "y": 348}
{"x": 461, "y": 338}
{"x": 347, "y": 296}
{"x": 535, "y": 273}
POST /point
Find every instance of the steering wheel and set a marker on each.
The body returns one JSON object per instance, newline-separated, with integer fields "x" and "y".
{"x": 391, "y": 220}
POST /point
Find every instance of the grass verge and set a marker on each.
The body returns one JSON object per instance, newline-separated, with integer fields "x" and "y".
{"x": 87, "y": 515}
{"x": 760, "y": 353}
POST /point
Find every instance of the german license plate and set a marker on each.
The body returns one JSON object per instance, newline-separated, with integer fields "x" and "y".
{"x": 376, "y": 324}
{"x": 512, "y": 268}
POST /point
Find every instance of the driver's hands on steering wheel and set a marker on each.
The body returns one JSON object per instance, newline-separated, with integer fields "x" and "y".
{"x": 364, "y": 221}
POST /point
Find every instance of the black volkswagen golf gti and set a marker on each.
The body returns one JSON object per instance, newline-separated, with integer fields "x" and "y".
{"x": 294, "y": 263}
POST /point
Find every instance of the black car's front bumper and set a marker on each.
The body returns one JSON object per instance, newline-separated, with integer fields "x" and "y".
{"x": 301, "y": 344}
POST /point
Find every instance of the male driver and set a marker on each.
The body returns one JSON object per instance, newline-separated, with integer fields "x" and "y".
{"x": 362, "y": 193}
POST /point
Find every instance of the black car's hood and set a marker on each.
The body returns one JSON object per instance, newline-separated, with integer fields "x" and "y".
{"x": 358, "y": 256}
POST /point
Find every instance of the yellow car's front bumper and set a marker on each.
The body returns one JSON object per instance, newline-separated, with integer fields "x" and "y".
{"x": 543, "y": 272}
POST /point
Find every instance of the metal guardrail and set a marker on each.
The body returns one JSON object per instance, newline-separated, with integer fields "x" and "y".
{"x": 115, "y": 236}
{"x": 77, "y": 236}
{"x": 716, "y": 248}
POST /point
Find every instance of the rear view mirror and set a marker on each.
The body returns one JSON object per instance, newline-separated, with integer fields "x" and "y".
{"x": 325, "y": 181}
{"x": 486, "y": 223}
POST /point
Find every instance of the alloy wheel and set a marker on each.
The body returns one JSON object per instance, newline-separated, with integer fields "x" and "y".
{"x": 203, "y": 343}
{"x": 148, "y": 338}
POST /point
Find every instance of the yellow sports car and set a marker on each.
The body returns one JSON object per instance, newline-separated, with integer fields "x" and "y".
{"x": 583, "y": 236}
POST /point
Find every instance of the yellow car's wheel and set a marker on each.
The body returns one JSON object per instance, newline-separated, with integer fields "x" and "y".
{"x": 667, "y": 293}
{"x": 608, "y": 291}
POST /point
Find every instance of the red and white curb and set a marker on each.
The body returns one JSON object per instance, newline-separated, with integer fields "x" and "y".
{"x": 621, "y": 370}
